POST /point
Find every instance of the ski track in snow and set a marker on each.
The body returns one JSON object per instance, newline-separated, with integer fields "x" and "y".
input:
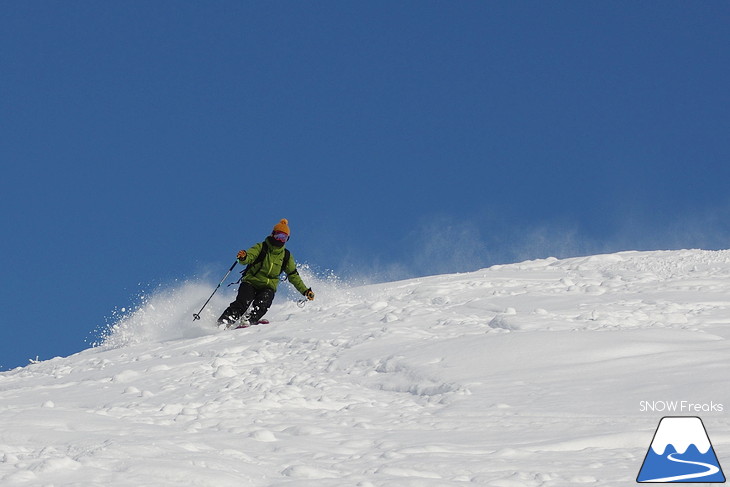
{"x": 522, "y": 375}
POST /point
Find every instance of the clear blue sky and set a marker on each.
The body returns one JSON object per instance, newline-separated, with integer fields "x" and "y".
{"x": 147, "y": 141}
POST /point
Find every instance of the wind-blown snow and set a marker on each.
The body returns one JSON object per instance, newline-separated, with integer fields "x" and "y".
{"x": 524, "y": 375}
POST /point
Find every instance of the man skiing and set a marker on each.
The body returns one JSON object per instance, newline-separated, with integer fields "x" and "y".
{"x": 266, "y": 261}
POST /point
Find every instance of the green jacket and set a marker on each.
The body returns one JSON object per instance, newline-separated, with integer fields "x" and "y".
{"x": 266, "y": 273}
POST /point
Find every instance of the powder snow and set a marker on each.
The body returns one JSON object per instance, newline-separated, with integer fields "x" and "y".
{"x": 525, "y": 375}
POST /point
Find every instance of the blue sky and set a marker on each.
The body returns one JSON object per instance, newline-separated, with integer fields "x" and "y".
{"x": 146, "y": 142}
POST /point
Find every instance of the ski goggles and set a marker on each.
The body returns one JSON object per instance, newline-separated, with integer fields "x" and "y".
{"x": 280, "y": 236}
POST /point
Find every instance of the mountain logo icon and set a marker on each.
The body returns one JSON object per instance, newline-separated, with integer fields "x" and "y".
{"x": 681, "y": 452}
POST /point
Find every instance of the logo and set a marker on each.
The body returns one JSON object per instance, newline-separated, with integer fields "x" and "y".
{"x": 681, "y": 452}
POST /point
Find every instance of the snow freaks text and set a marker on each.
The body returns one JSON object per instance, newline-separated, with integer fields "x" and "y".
{"x": 682, "y": 407}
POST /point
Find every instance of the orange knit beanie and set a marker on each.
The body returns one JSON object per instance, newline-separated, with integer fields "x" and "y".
{"x": 282, "y": 226}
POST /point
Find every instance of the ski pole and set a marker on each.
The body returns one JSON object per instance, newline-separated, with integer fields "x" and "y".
{"x": 196, "y": 316}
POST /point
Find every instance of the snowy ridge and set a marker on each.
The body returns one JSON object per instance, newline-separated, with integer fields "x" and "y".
{"x": 523, "y": 375}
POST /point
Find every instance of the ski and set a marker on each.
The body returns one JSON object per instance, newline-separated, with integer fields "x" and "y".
{"x": 246, "y": 324}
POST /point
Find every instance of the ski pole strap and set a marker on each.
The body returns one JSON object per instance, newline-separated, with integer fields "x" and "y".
{"x": 243, "y": 273}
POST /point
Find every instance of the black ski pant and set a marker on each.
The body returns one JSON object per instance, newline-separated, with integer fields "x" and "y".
{"x": 258, "y": 299}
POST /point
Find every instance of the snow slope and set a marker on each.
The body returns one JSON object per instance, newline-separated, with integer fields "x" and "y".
{"x": 532, "y": 374}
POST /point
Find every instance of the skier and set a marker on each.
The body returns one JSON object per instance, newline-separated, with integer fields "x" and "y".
{"x": 266, "y": 261}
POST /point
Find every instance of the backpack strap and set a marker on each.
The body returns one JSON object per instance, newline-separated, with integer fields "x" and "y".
{"x": 285, "y": 263}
